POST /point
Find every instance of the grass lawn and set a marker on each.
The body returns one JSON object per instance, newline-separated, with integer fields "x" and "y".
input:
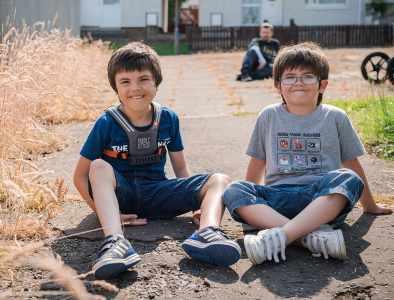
{"x": 373, "y": 119}
{"x": 161, "y": 49}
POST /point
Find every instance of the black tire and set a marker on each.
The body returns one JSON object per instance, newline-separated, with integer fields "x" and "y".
{"x": 390, "y": 71}
{"x": 374, "y": 67}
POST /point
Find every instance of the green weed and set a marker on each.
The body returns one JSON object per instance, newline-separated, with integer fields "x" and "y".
{"x": 161, "y": 49}
{"x": 373, "y": 119}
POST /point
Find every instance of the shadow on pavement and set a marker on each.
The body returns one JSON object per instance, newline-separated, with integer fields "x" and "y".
{"x": 303, "y": 275}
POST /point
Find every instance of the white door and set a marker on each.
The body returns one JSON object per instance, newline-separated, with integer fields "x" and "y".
{"x": 271, "y": 10}
{"x": 110, "y": 14}
{"x": 90, "y": 12}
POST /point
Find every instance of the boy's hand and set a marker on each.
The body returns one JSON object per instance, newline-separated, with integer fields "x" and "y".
{"x": 379, "y": 209}
{"x": 197, "y": 216}
{"x": 132, "y": 220}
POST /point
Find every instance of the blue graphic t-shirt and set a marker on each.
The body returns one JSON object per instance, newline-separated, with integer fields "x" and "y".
{"x": 106, "y": 134}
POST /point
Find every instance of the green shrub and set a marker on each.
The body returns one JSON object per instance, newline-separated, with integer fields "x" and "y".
{"x": 373, "y": 119}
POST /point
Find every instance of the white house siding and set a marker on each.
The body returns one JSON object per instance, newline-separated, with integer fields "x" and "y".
{"x": 304, "y": 15}
{"x": 134, "y": 12}
{"x": 231, "y": 11}
{"x": 33, "y": 11}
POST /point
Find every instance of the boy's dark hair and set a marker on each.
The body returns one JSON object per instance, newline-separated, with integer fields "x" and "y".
{"x": 267, "y": 25}
{"x": 135, "y": 56}
{"x": 307, "y": 56}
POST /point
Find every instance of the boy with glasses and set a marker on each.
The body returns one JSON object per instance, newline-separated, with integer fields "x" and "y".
{"x": 308, "y": 154}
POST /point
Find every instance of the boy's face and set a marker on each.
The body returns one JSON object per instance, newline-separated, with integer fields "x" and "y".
{"x": 136, "y": 89}
{"x": 300, "y": 94}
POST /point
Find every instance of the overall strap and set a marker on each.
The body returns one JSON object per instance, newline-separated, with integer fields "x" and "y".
{"x": 133, "y": 157}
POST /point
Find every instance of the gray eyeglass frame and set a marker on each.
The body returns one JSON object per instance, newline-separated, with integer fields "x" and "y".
{"x": 317, "y": 80}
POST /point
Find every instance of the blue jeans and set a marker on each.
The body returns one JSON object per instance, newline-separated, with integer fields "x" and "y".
{"x": 153, "y": 196}
{"x": 290, "y": 200}
{"x": 250, "y": 64}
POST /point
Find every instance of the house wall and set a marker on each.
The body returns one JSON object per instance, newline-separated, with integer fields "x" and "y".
{"x": 352, "y": 13}
{"x": 230, "y": 9}
{"x": 33, "y": 11}
{"x": 305, "y": 15}
{"x": 134, "y": 14}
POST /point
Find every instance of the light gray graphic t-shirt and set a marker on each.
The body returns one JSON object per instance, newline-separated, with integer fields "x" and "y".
{"x": 300, "y": 149}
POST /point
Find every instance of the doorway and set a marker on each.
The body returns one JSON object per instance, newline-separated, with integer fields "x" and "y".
{"x": 271, "y": 10}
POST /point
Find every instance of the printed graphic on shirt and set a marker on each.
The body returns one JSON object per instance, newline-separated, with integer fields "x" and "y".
{"x": 314, "y": 171}
{"x": 302, "y": 153}
{"x": 284, "y": 159}
{"x": 163, "y": 142}
{"x": 285, "y": 171}
{"x": 299, "y": 160}
{"x": 284, "y": 144}
{"x": 313, "y": 144}
{"x": 314, "y": 159}
{"x": 297, "y": 144}
{"x": 143, "y": 143}
{"x": 123, "y": 148}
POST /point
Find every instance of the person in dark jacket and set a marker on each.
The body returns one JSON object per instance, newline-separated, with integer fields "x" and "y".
{"x": 259, "y": 59}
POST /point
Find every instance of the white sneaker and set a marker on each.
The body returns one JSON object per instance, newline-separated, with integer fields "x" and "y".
{"x": 265, "y": 244}
{"x": 326, "y": 241}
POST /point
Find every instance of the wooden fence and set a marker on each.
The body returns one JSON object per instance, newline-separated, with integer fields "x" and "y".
{"x": 211, "y": 38}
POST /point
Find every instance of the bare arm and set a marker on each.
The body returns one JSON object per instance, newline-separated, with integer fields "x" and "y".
{"x": 256, "y": 169}
{"x": 179, "y": 165}
{"x": 366, "y": 199}
{"x": 81, "y": 180}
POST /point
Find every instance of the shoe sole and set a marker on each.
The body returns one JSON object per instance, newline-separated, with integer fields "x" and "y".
{"x": 219, "y": 253}
{"x": 248, "y": 252}
{"x": 342, "y": 246}
{"x": 110, "y": 267}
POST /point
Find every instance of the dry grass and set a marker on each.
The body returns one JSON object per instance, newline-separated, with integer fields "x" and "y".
{"x": 62, "y": 275}
{"x": 46, "y": 77}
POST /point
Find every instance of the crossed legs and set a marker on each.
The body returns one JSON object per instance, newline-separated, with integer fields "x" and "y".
{"x": 319, "y": 212}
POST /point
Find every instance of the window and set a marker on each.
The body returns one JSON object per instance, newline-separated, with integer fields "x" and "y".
{"x": 111, "y": 2}
{"x": 151, "y": 19}
{"x": 250, "y": 12}
{"x": 325, "y": 2}
{"x": 216, "y": 20}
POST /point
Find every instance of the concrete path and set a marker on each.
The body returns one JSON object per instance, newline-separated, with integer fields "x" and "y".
{"x": 202, "y": 90}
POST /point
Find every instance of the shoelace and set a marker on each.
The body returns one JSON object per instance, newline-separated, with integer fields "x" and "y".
{"x": 317, "y": 246}
{"x": 265, "y": 240}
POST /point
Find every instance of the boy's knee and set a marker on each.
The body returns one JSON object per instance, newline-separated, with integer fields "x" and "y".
{"x": 233, "y": 189}
{"x": 220, "y": 179}
{"x": 99, "y": 167}
{"x": 348, "y": 174}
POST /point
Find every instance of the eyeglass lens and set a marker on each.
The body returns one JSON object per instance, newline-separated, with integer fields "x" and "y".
{"x": 307, "y": 79}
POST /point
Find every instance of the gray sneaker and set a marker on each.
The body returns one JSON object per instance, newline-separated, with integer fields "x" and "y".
{"x": 246, "y": 78}
{"x": 115, "y": 256}
{"x": 326, "y": 241}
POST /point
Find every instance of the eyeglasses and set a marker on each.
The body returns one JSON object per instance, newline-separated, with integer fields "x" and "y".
{"x": 306, "y": 79}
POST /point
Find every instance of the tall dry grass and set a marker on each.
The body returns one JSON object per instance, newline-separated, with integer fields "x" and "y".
{"x": 47, "y": 77}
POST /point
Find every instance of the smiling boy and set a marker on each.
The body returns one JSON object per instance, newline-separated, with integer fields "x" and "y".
{"x": 121, "y": 173}
{"x": 308, "y": 154}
